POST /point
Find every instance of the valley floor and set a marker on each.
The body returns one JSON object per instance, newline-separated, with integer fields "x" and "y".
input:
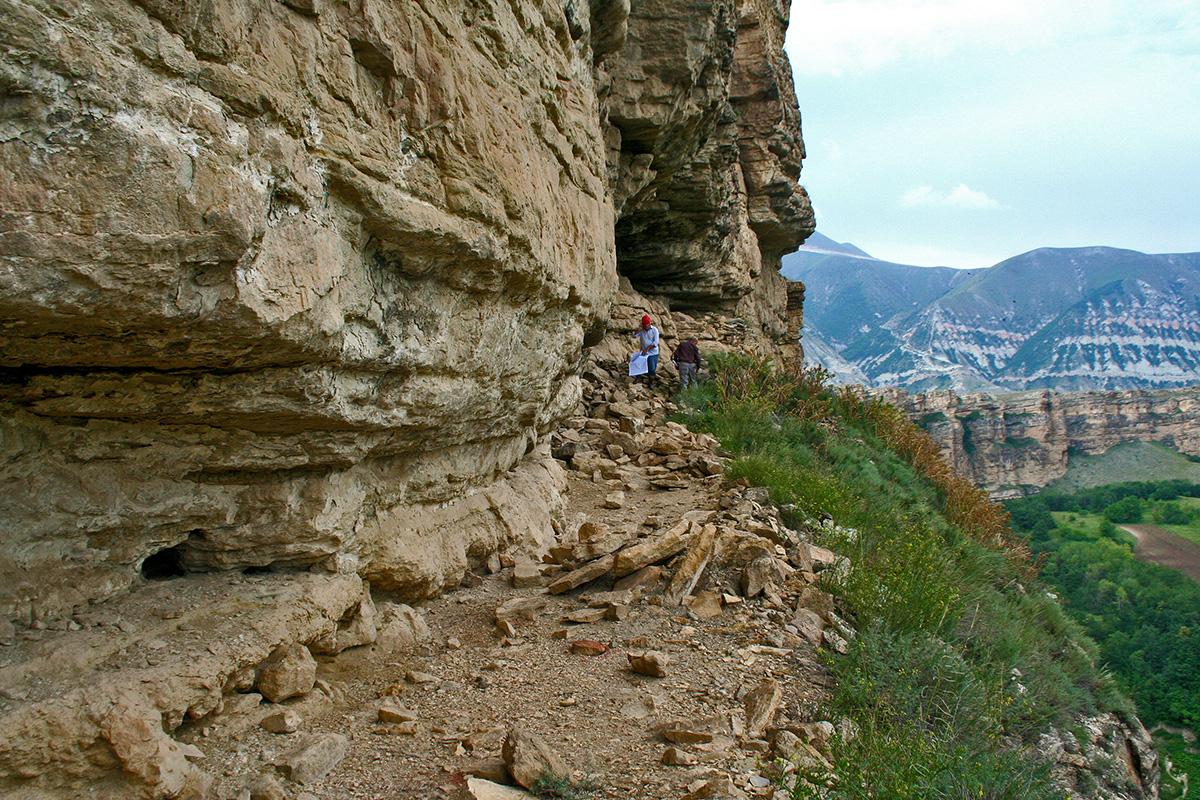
{"x": 1160, "y": 546}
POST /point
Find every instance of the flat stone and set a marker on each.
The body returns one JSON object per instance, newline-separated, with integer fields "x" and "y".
{"x": 650, "y": 662}
{"x": 482, "y": 789}
{"x": 652, "y": 550}
{"x": 588, "y": 647}
{"x": 392, "y": 712}
{"x": 585, "y": 616}
{"x": 285, "y": 721}
{"x": 614, "y": 500}
{"x": 290, "y": 671}
{"x": 315, "y": 757}
{"x": 585, "y": 574}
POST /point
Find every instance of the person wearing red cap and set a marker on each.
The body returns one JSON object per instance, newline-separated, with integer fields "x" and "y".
{"x": 648, "y": 336}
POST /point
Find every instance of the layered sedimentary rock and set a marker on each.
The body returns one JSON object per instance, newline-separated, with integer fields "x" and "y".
{"x": 298, "y": 284}
{"x": 1011, "y": 444}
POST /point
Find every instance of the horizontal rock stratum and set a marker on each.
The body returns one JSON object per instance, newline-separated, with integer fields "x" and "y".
{"x": 1013, "y": 444}
{"x": 305, "y": 284}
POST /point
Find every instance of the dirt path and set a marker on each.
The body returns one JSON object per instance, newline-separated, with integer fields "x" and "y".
{"x": 1159, "y": 546}
{"x": 469, "y": 682}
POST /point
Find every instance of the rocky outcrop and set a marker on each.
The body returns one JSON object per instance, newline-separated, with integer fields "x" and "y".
{"x": 1012, "y": 444}
{"x": 305, "y": 284}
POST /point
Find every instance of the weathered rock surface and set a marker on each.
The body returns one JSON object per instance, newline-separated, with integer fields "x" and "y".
{"x": 1013, "y": 444}
{"x": 270, "y": 272}
{"x": 305, "y": 286}
{"x": 139, "y": 668}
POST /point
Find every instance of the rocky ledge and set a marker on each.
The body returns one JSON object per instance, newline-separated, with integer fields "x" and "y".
{"x": 302, "y": 284}
{"x": 1013, "y": 444}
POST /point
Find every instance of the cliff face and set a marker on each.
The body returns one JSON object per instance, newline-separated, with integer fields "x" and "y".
{"x": 304, "y": 283}
{"x": 1012, "y": 444}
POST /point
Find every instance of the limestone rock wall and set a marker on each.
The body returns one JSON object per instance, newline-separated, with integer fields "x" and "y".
{"x": 1012, "y": 444}
{"x": 299, "y": 283}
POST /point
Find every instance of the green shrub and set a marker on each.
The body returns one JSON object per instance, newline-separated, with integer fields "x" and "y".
{"x": 1128, "y": 509}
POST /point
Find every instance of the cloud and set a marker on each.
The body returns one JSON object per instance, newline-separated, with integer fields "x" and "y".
{"x": 961, "y": 196}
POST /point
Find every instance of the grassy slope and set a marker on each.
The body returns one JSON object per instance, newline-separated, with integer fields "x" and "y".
{"x": 962, "y": 660}
{"x": 1132, "y": 461}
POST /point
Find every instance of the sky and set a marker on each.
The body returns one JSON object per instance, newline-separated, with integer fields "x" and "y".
{"x": 960, "y": 132}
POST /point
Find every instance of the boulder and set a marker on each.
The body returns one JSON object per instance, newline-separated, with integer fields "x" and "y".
{"x": 290, "y": 671}
{"x": 649, "y": 662}
{"x": 529, "y": 757}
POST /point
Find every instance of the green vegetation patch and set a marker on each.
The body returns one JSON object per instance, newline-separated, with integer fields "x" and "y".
{"x": 1145, "y": 617}
{"x": 962, "y": 659}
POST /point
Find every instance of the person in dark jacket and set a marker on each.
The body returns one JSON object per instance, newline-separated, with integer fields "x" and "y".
{"x": 687, "y": 361}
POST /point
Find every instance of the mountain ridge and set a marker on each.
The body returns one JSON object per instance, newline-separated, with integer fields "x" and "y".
{"x": 1053, "y": 317}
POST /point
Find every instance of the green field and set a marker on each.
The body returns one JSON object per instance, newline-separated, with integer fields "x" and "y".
{"x": 1191, "y": 531}
{"x": 1132, "y": 461}
{"x": 1090, "y": 523}
{"x": 1086, "y": 523}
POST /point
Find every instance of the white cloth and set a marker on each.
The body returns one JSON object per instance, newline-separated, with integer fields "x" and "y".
{"x": 638, "y": 365}
{"x": 649, "y": 338}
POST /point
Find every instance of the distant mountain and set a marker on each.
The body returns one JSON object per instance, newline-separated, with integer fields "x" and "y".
{"x": 1066, "y": 318}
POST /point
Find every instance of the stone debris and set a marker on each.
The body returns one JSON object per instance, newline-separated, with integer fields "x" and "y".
{"x": 585, "y": 574}
{"x": 526, "y": 575}
{"x": 391, "y": 712}
{"x": 677, "y": 757}
{"x": 483, "y": 789}
{"x": 268, "y": 787}
{"x": 400, "y": 627}
{"x": 649, "y": 662}
{"x": 315, "y": 757}
{"x": 762, "y": 704}
{"x": 286, "y": 721}
{"x": 290, "y": 671}
{"x": 528, "y": 757}
{"x": 588, "y": 647}
{"x": 686, "y": 732}
{"x": 653, "y": 550}
{"x": 688, "y": 573}
{"x": 704, "y": 605}
{"x": 614, "y": 500}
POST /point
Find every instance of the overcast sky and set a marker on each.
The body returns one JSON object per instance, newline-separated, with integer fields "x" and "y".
{"x": 962, "y": 132}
